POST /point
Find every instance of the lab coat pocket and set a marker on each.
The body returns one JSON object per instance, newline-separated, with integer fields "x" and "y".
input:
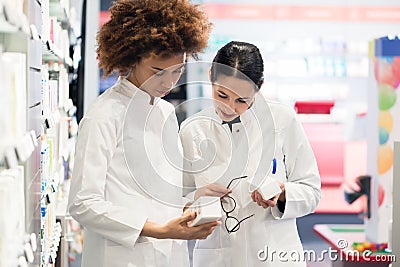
{"x": 120, "y": 256}
{"x": 216, "y": 257}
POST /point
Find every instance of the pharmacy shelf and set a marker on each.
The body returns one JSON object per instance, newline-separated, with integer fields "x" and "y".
{"x": 324, "y": 55}
{"x": 52, "y": 53}
{"x": 60, "y": 12}
{"x": 17, "y": 151}
{"x": 308, "y": 79}
{"x": 25, "y": 33}
{"x": 7, "y": 26}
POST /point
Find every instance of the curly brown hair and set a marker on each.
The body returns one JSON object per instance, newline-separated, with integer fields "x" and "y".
{"x": 138, "y": 28}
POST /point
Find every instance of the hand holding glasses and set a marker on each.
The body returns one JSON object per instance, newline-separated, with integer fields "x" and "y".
{"x": 228, "y": 204}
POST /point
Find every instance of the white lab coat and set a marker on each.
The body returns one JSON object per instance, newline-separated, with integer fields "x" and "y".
{"x": 115, "y": 186}
{"x": 267, "y": 130}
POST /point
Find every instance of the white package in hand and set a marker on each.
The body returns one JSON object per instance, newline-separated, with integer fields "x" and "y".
{"x": 208, "y": 209}
{"x": 269, "y": 188}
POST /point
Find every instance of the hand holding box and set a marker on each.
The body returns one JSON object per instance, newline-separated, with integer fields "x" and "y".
{"x": 208, "y": 209}
{"x": 268, "y": 189}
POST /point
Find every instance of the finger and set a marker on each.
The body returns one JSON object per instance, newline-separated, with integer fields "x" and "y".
{"x": 208, "y": 225}
{"x": 211, "y": 193}
{"x": 259, "y": 195}
{"x": 256, "y": 198}
{"x": 253, "y": 196}
{"x": 202, "y": 231}
{"x": 281, "y": 185}
{"x": 187, "y": 206}
{"x": 262, "y": 202}
{"x": 187, "y": 216}
{"x": 227, "y": 193}
{"x": 264, "y": 205}
{"x": 259, "y": 198}
{"x": 217, "y": 188}
{"x": 272, "y": 202}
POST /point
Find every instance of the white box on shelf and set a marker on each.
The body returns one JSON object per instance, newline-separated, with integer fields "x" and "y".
{"x": 207, "y": 209}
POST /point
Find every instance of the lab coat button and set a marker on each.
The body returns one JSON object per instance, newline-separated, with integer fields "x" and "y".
{"x": 237, "y": 130}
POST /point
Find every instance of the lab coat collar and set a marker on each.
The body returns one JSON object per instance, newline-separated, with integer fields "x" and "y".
{"x": 132, "y": 91}
{"x": 246, "y": 117}
{"x": 230, "y": 123}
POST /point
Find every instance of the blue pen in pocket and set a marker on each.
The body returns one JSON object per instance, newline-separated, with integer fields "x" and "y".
{"x": 273, "y": 165}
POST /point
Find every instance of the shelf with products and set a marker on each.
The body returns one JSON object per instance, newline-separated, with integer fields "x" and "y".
{"x": 51, "y": 53}
{"x": 17, "y": 248}
{"x": 50, "y": 231}
{"x": 57, "y": 121}
{"x": 330, "y": 67}
{"x": 59, "y": 10}
{"x": 316, "y": 61}
{"x": 17, "y": 143}
{"x": 36, "y": 112}
{"x": 316, "y": 75}
{"x": 56, "y": 31}
{"x": 12, "y": 18}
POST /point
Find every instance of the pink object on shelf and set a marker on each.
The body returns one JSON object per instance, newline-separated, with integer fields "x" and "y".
{"x": 314, "y": 107}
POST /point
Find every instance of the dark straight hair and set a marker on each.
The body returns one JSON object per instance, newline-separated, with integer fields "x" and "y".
{"x": 239, "y": 59}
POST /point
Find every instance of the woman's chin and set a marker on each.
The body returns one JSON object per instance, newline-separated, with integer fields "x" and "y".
{"x": 226, "y": 117}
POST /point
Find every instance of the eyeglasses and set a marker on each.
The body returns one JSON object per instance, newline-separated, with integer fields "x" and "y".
{"x": 228, "y": 204}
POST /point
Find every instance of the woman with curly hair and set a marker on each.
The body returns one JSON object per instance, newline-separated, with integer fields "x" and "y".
{"x": 126, "y": 182}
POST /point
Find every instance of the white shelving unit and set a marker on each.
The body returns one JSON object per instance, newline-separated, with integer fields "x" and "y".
{"x": 35, "y": 143}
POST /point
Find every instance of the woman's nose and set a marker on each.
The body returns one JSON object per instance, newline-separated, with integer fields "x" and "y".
{"x": 167, "y": 83}
{"x": 231, "y": 105}
{"x": 170, "y": 79}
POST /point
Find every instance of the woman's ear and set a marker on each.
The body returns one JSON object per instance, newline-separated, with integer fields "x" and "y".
{"x": 209, "y": 74}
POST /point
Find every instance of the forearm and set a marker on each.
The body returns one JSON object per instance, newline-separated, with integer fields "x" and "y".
{"x": 155, "y": 230}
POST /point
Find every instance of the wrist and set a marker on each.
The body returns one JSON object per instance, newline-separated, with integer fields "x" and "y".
{"x": 162, "y": 231}
{"x": 154, "y": 230}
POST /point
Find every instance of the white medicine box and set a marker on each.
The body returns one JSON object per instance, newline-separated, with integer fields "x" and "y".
{"x": 208, "y": 209}
{"x": 268, "y": 189}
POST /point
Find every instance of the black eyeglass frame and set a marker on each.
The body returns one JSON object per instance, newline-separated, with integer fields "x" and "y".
{"x": 236, "y": 227}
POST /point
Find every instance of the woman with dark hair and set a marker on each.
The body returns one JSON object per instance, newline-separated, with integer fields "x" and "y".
{"x": 126, "y": 200}
{"x": 254, "y": 155}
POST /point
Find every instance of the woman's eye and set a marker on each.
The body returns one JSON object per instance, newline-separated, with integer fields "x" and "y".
{"x": 241, "y": 101}
{"x": 222, "y": 96}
